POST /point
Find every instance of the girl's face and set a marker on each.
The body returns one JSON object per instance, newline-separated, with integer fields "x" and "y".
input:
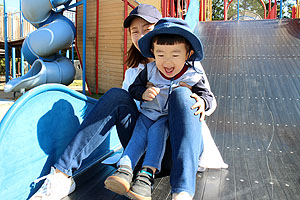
{"x": 138, "y": 28}
{"x": 170, "y": 59}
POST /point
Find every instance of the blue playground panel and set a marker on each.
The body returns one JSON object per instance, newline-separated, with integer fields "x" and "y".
{"x": 35, "y": 132}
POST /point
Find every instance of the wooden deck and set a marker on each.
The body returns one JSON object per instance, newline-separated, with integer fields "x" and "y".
{"x": 253, "y": 69}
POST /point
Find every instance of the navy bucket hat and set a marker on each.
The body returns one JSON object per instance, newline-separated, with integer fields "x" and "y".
{"x": 144, "y": 11}
{"x": 174, "y": 26}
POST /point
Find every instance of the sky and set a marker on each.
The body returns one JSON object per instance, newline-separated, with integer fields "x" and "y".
{"x": 11, "y": 5}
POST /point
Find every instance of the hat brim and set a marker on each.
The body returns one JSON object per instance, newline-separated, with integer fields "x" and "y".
{"x": 145, "y": 43}
{"x": 149, "y": 19}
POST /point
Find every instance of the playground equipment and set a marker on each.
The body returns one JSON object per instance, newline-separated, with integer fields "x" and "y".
{"x": 174, "y": 8}
{"x": 41, "y": 123}
{"x": 57, "y": 71}
{"x": 55, "y": 32}
{"x": 296, "y": 11}
{"x": 246, "y": 14}
{"x": 12, "y": 33}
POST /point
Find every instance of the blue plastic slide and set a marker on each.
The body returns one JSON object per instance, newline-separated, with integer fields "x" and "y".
{"x": 34, "y": 133}
{"x": 54, "y": 32}
{"x": 59, "y": 71}
{"x": 192, "y": 15}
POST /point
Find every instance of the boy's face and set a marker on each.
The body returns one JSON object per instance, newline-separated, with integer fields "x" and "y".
{"x": 170, "y": 59}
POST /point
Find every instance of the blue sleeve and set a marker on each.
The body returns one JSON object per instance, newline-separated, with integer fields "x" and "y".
{"x": 138, "y": 87}
{"x": 202, "y": 91}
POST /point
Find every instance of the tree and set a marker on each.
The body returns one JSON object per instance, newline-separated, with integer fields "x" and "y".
{"x": 217, "y": 9}
{"x": 251, "y": 5}
{"x": 2, "y": 66}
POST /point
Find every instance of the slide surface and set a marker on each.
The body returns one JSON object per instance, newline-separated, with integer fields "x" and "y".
{"x": 34, "y": 133}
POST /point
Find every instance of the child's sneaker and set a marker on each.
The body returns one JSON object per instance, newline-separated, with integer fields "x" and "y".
{"x": 120, "y": 181}
{"x": 142, "y": 186}
{"x": 56, "y": 186}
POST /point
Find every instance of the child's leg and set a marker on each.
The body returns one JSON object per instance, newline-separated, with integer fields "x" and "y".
{"x": 137, "y": 144}
{"x": 186, "y": 141}
{"x": 157, "y": 137}
{"x": 120, "y": 181}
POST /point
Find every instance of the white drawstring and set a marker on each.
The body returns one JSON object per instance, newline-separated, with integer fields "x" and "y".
{"x": 169, "y": 93}
{"x": 41, "y": 178}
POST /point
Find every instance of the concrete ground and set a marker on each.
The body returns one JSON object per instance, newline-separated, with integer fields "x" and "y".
{"x": 6, "y": 100}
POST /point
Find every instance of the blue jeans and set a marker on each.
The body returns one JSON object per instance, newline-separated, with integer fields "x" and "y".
{"x": 186, "y": 141}
{"x": 115, "y": 107}
{"x": 150, "y": 135}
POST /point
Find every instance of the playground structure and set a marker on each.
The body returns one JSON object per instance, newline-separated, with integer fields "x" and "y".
{"x": 40, "y": 47}
{"x": 296, "y": 11}
{"x": 105, "y": 46}
{"x": 17, "y": 28}
{"x": 253, "y": 70}
{"x": 109, "y": 70}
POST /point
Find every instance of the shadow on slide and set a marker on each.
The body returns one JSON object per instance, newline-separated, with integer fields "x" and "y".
{"x": 35, "y": 132}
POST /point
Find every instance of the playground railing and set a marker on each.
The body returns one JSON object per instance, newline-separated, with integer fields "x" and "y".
{"x": 17, "y": 27}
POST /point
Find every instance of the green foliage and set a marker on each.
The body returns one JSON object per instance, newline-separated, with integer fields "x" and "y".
{"x": 250, "y": 5}
{"x": 286, "y": 10}
{"x": 217, "y": 9}
{"x": 2, "y": 66}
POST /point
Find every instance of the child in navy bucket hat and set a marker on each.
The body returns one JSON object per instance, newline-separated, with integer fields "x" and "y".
{"x": 172, "y": 26}
{"x": 173, "y": 45}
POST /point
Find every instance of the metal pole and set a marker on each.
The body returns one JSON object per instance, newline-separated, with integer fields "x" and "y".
{"x": 225, "y": 10}
{"x": 280, "y": 14}
{"x": 14, "y": 70}
{"x": 125, "y": 38}
{"x": 238, "y": 10}
{"x": 97, "y": 46}
{"x": 84, "y": 47}
{"x": 73, "y": 53}
{"x": 21, "y": 35}
{"x": 13, "y": 50}
{"x": 6, "y": 45}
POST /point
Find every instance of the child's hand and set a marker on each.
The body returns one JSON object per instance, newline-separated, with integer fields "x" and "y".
{"x": 200, "y": 104}
{"x": 150, "y": 93}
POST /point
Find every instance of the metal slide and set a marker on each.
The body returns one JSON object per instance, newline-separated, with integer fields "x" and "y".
{"x": 254, "y": 70}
